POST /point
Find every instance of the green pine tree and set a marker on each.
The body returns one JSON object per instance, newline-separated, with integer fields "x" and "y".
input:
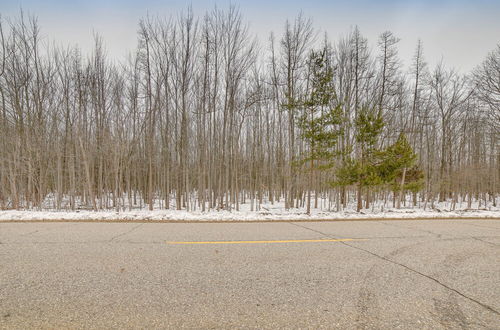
{"x": 397, "y": 168}
{"x": 319, "y": 120}
{"x": 363, "y": 171}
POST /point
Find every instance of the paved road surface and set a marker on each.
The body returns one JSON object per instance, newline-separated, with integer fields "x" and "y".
{"x": 366, "y": 274}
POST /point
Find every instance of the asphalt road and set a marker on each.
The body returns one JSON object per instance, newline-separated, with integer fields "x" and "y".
{"x": 365, "y": 274}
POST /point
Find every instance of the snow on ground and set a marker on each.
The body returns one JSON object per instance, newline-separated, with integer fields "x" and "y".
{"x": 270, "y": 212}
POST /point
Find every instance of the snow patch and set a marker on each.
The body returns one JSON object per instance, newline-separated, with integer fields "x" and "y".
{"x": 268, "y": 212}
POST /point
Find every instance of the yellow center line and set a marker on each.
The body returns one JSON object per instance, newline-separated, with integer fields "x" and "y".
{"x": 270, "y": 242}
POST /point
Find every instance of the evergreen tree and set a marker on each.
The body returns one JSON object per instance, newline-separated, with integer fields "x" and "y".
{"x": 363, "y": 170}
{"x": 393, "y": 166}
{"x": 397, "y": 168}
{"x": 319, "y": 120}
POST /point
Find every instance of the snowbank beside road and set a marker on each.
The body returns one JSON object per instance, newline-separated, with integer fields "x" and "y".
{"x": 265, "y": 214}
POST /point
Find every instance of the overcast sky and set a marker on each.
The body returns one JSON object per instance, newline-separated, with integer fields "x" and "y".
{"x": 459, "y": 32}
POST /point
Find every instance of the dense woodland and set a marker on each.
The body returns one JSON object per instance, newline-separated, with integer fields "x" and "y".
{"x": 201, "y": 116}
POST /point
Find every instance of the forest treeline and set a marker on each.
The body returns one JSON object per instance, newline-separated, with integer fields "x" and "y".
{"x": 202, "y": 116}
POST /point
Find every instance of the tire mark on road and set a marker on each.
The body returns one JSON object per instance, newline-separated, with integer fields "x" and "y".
{"x": 367, "y": 300}
{"x": 491, "y": 309}
{"x": 484, "y": 305}
{"x": 450, "y": 315}
{"x": 367, "y": 305}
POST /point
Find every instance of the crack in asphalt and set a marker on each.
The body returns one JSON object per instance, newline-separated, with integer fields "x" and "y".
{"x": 485, "y": 306}
{"x": 477, "y": 238}
{"x": 316, "y": 231}
{"x": 486, "y": 242}
{"x": 46, "y": 229}
{"x": 31, "y": 232}
{"x": 411, "y": 228}
{"x": 476, "y": 225}
{"x": 125, "y": 233}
